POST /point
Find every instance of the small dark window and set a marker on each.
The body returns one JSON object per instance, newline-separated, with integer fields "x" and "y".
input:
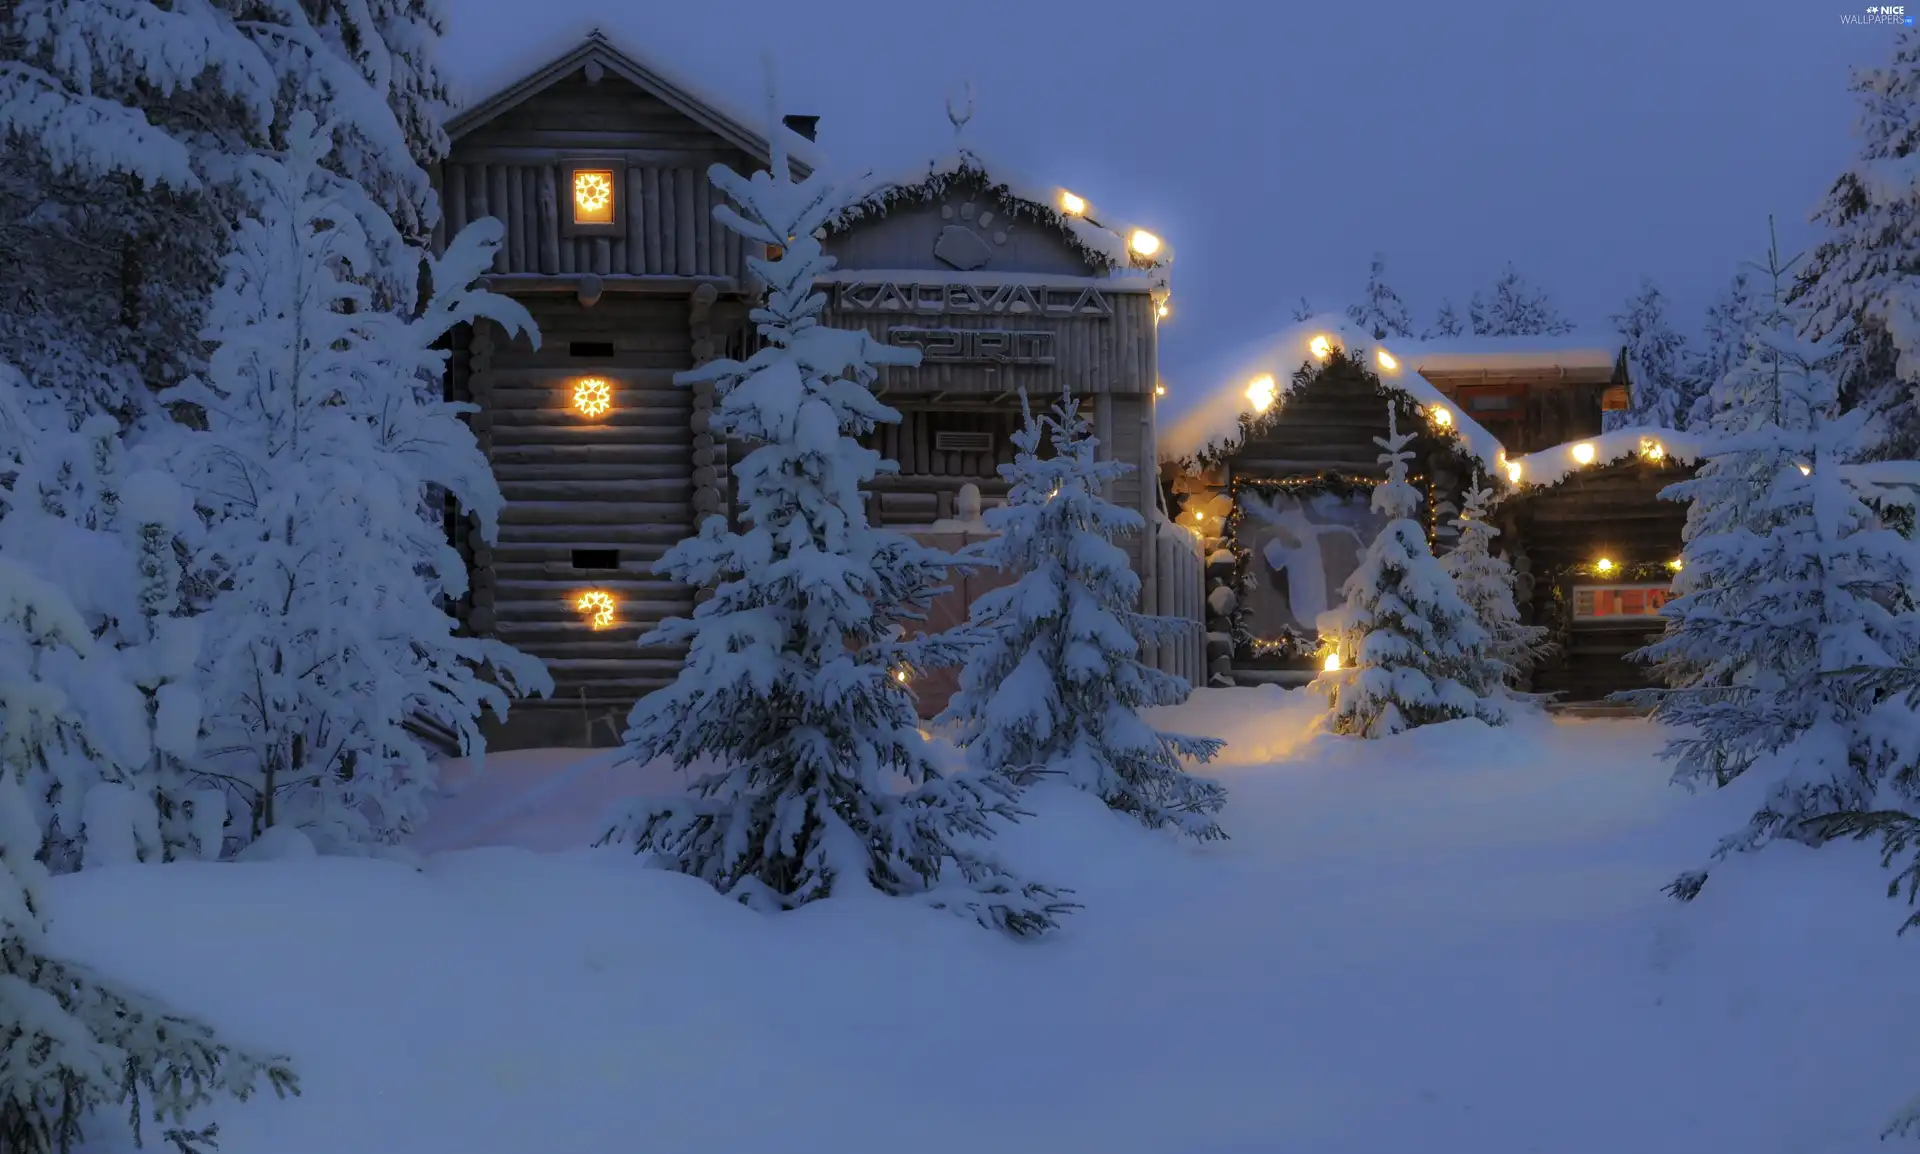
{"x": 596, "y": 558}
{"x": 590, "y": 349}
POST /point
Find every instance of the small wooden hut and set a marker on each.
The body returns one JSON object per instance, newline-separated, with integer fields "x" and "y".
{"x": 1273, "y": 470}
{"x": 1596, "y": 548}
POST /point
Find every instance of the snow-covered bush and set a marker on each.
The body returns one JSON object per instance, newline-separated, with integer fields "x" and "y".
{"x": 1485, "y": 582}
{"x": 71, "y": 1042}
{"x": 789, "y": 682}
{"x": 1054, "y": 682}
{"x": 1407, "y": 642}
{"x": 321, "y": 462}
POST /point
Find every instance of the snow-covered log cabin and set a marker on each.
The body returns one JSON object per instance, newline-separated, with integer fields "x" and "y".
{"x": 596, "y": 161}
{"x": 1267, "y": 455}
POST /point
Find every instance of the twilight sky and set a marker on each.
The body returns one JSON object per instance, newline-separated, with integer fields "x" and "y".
{"x": 1277, "y": 144}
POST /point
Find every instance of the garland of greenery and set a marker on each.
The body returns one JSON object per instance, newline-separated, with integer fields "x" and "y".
{"x": 971, "y": 170}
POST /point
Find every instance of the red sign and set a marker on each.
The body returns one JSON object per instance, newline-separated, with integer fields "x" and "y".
{"x": 1619, "y": 602}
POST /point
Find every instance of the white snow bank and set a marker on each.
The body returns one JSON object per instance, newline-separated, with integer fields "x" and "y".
{"x": 1592, "y": 350}
{"x": 1552, "y": 466}
{"x": 1448, "y": 940}
{"x": 1202, "y": 409}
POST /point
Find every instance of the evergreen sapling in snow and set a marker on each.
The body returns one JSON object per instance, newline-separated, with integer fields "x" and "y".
{"x": 1055, "y": 683}
{"x": 1662, "y": 390}
{"x": 71, "y": 1042}
{"x": 1445, "y": 324}
{"x": 1383, "y": 313}
{"x": 1408, "y": 640}
{"x": 789, "y": 682}
{"x": 1516, "y": 308}
{"x": 322, "y": 462}
{"x": 1485, "y": 582}
{"x": 1794, "y": 592}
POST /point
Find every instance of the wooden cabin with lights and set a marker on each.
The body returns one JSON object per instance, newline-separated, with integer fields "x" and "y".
{"x": 1275, "y": 480}
{"x": 1273, "y": 470}
{"x": 596, "y": 162}
{"x": 1595, "y": 548}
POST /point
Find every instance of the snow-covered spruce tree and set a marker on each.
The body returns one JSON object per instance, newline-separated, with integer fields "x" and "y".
{"x": 320, "y": 462}
{"x": 789, "y": 679}
{"x": 1382, "y": 313}
{"x": 1663, "y": 387}
{"x": 120, "y": 121}
{"x": 1445, "y": 324}
{"x": 1056, "y": 685}
{"x": 74, "y": 1042}
{"x": 1793, "y": 591}
{"x": 1864, "y": 278}
{"x": 78, "y": 503}
{"x": 1485, "y": 582}
{"x": 1409, "y": 644}
{"x": 1723, "y": 347}
{"x": 1515, "y": 307}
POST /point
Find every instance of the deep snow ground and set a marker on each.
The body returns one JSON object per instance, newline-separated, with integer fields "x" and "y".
{"x": 1450, "y": 941}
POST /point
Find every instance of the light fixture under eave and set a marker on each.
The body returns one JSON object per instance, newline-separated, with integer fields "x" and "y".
{"x": 1143, "y": 242}
{"x": 1583, "y": 452}
{"x": 592, "y": 397}
{"x": 1161, "y": 310}
{"x": 1321, "y": 346}
{"x": 1159, "y": 390}
{"x": 1071, "y": 204}
{"x": 1386, "y": 359}
{"x": 1603, "y": 565}
{"x": 1262, "y": 392}
{"x": 1674, "y": 564}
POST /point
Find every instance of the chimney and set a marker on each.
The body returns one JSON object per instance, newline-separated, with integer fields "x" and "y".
{"x": 802, "y": 125}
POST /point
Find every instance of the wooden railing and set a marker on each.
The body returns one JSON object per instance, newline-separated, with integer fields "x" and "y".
{"x": 1180, "y": 591}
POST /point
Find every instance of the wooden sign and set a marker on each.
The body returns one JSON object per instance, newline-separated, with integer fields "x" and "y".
{"x": 1610, "y": 603}
{"x": 1614, "y": 399}
{"x": 976, "y": 346}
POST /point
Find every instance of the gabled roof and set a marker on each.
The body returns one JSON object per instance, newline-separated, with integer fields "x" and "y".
{"x": 1586, "y": 353}
{"x": 598, "y": 48}
{"x": 1201, "y": 412}
{"x": 1106, "y": 246}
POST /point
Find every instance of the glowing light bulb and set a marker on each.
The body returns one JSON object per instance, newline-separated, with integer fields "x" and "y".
{"x": 1603, "y": 565}
{"x": 1159, "y": 390}
{"x": 1513, "y": 471}
{"x": 1071, "y": 204}
{"x": 1583, "y": 452}
{"x": 1386, "y": 359}
{"x": 1262, "y": 392}
{"x": 1321, "y": 347}
{"x": 1332, "y": 663}
{"x": 1805, "y": 470}
{"x": 1161, "y": 310}
{"x": 1651, "y": 449}
{"x": 1440, "y": 416}
{"x": 900, "y": 675}
{"x": 1674, "y": 564}
{"x": 1144, "y": 242}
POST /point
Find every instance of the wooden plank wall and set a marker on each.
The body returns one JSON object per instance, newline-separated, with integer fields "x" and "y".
{"x": 622, "y": 482}
{"x": 514, "y": 168}
{"x": 1615, "y": 512}
{"x": 1094, "y": 354}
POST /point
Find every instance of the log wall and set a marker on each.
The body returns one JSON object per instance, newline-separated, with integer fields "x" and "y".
{"x": 1615, "y": 512}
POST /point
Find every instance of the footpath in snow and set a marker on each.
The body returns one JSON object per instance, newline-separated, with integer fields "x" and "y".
{"x": 1450, "y": 941}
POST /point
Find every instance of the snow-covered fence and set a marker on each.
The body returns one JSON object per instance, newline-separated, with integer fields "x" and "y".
{"x": 1180, "y": 591}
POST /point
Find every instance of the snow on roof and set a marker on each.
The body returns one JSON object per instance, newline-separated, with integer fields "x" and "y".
{"x": 1549, "y": 467}
{"x": 1202, "y": 414}
{"x": 1576, "y": 350}
{"x": 478, "y": 70}
{"x": 1108, "y": 246}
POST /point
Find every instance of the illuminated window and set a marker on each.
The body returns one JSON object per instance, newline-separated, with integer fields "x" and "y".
{"x": 592, "y": 196}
